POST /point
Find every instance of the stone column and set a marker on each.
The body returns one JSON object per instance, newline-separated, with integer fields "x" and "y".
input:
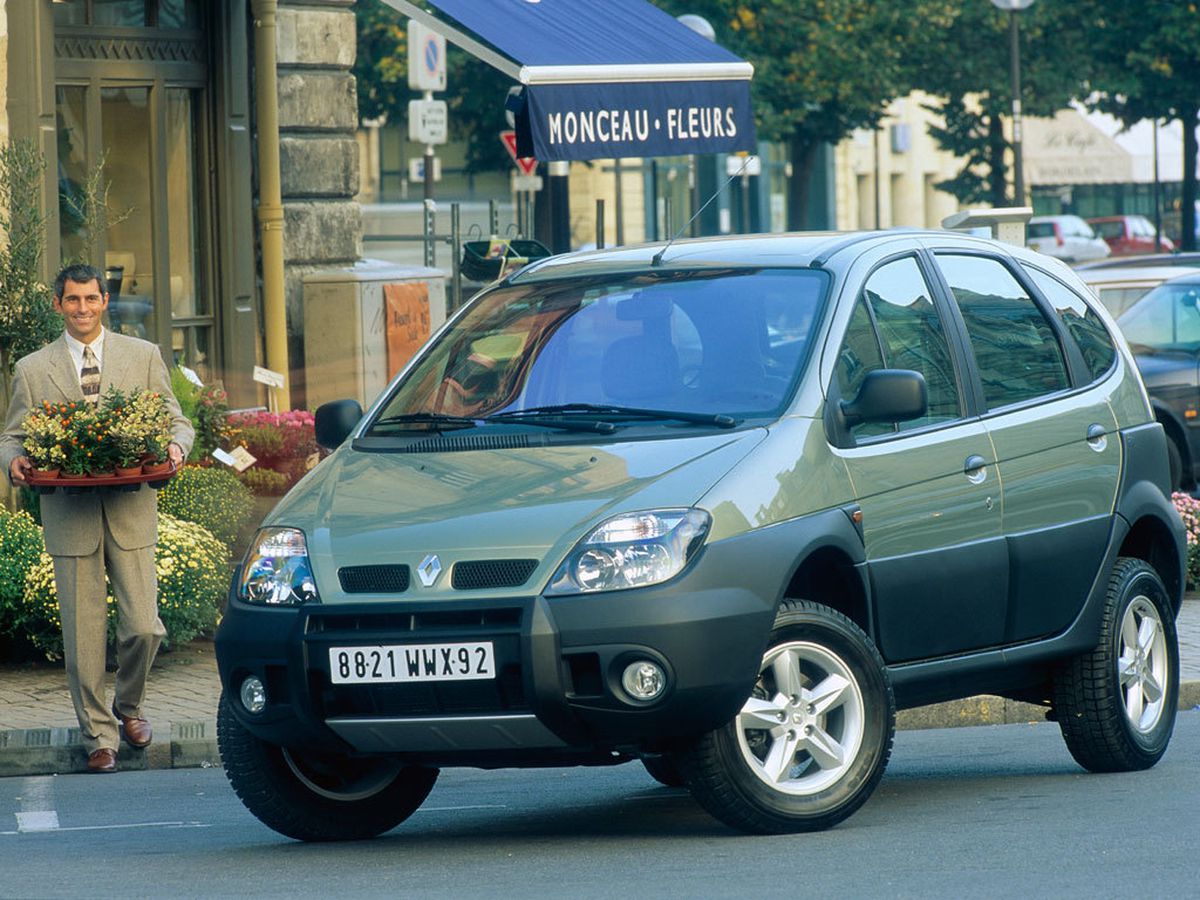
{"x": 318, "y": 116}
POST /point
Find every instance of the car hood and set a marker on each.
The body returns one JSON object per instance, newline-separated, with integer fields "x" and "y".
{"x": 371, "y": 508}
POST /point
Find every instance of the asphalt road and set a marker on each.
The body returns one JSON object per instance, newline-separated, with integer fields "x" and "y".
{"x": 992, "y": 811}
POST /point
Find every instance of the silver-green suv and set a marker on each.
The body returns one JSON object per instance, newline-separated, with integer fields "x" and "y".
{"x": 722, "y": 507}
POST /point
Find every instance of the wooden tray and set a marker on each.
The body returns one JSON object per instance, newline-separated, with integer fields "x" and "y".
{"x": 79, "y": 484}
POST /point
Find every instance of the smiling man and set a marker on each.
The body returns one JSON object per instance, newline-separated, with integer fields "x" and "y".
{"x": 99, "y": 531}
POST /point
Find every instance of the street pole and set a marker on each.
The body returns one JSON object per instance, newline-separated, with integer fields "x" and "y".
{"x": 1014, "y": 32}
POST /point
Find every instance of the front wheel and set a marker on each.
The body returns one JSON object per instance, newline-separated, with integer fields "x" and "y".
{"x": 812, "y": 741}
{"x": 314, "y": 796}
{"x": 1116, "y": 705}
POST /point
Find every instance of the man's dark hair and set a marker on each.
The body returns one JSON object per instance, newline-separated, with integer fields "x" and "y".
{"x": 80, "y": 273}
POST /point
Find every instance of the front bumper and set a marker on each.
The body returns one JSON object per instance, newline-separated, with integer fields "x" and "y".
{"x": 556, "y": 694}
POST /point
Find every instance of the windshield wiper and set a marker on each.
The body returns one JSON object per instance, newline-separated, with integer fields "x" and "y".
{"x": 436, "y": 419}
{"x": 425, "y": 418}
{"x": 720, "y": 420}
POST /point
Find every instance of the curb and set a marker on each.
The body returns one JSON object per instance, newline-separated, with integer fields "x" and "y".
{"x": 52, "y": 751}
{"x": 193, "y": 745}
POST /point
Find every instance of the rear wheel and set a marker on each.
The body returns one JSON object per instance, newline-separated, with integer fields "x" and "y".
{"x": 812, "y": 741}
{"x": 1116, "y": 705}
{"x": 313, "y": 796}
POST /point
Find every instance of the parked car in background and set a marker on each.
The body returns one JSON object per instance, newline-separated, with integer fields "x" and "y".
{"x": 1178, "y": 258}
{"x": 1068, "y": 238}
{"x": 1130, "y": 235}
{"x": 1163, "y": 331}
{"x": 1119, "y": 287}
{"x": 722, "y": 507}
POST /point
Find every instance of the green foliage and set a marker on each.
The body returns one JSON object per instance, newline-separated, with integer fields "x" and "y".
{"x": 475, "y": 99}
{"x": 264, "y": 482}
{"x": 20, "y": 548}
{"x": 208, "y": 496}
{"x": 193, "y": 575}
{"x": 207, "y": 408}
{"x": 1147, "y": 66}
{"x": 27, "y": 319}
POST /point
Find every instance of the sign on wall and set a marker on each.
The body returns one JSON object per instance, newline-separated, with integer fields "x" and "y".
{"x": 406, "y": 322}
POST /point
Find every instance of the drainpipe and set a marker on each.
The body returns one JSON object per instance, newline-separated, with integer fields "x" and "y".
{"x": 270, "y": 197}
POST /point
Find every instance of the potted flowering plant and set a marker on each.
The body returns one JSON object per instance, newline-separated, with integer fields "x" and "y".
{"x": 149, "y": 409}
{"x": 45, "y": 435}
{"x": 128, "y": 431}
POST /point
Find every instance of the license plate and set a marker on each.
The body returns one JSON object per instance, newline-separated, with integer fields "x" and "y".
{"x": 411, "y": 662}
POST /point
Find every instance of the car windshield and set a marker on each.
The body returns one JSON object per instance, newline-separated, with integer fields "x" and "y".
{"x": 709, "y": 345}
{"x": 1167, "y": 318}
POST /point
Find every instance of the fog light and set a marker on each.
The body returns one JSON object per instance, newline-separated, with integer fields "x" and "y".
{"x": 254, "y": 695}
{"x": 644, "y": 680}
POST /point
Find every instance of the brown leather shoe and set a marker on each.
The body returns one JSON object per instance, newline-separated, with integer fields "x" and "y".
{"x": 138, "y": 732}
{"x": 102, "y": 760}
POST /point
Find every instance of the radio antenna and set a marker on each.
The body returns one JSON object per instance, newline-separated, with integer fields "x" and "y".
{"x": 656, "y": 260}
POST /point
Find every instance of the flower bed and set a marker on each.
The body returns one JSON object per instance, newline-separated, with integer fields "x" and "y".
{"x": 282, "y": 443}
{"x": 1189, "y": 511}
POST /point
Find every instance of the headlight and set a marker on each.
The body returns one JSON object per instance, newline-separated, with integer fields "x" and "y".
{"x": 633, "y": 550}
{"x": 277, "y": 571}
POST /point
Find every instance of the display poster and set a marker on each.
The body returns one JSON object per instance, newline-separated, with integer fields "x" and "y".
{"x": 407, "y": 322}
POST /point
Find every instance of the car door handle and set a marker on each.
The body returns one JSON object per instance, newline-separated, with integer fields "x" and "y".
{"x": 1097, "y": 437}
{"x": 975, "y": 468}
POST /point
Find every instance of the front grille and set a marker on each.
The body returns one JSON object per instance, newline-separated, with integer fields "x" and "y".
{"x": 487, "y": 574}
{"x": 351, "y": 626}
{"x": 387, "y": 579}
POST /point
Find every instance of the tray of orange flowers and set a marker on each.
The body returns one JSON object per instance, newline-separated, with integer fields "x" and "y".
{"x": 120, "y": 443}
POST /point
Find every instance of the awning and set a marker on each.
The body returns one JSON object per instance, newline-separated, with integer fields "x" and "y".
{"x": 604, "y": 78}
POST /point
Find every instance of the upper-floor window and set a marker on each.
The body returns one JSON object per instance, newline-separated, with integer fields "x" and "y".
{"x": 1015, "y": 346}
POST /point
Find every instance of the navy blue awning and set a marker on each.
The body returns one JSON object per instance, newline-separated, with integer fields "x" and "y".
{"x": 604, "y": 78}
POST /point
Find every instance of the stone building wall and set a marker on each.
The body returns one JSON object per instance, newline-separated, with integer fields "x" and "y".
{"x": 319, "y": 167}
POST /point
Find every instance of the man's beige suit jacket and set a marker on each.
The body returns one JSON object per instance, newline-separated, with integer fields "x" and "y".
{"x": 73, "y": 523}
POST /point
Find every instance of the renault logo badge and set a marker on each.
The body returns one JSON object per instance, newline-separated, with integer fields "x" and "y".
{"x": 429, "y": 570}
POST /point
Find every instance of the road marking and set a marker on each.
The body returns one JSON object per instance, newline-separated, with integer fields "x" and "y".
{"x": 456, "y": 808}
{"x": 111, "y": 827}
{"x": 37, "y": 805}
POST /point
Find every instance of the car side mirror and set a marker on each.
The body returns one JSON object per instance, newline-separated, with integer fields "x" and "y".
{"x": 887, "y": 395}
{"x": 334, "y": 421}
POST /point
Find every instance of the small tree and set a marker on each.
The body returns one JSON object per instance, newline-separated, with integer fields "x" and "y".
{"x": 27, "y": 319}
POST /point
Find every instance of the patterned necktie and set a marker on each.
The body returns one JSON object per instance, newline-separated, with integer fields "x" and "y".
{"x": 89, "y": 376}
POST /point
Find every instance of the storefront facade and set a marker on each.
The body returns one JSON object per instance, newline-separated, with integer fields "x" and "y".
{"x": 155, "y": 96}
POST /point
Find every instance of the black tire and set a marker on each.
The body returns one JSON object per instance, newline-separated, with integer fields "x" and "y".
{"x": 318, "y": 797}
{"x": 1175, "y": 464}
{"x": 1116, "y": 705}
{"x": 664, "y": 770}
{"x": 773, "y": 780}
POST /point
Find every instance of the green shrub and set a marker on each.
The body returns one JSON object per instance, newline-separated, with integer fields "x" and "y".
{"x": 193, "y": 576}
{"x": 20, "y": 546}
{"x": 264, "y": 482}
{"x": 210, "y": 497}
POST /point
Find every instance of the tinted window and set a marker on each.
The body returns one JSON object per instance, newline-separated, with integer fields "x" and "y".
{"x": 908, "y": 334}
{"x": 1041, "y": 229}
{"x": 1082, "y": 323}
{"x": 1015, "y": 346}
{"x": 1167, "y": 318}
{"x": 713, "y": 342}
{"x": 1109, "y": 229}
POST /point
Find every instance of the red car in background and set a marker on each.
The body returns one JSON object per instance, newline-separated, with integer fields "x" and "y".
{"x": 1128, "y": 235}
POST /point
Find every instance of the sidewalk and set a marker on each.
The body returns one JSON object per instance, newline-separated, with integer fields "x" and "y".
{"x": 38, "y": 734}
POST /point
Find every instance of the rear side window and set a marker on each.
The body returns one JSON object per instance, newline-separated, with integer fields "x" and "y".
{"x": 1015, "y": 346}
{"x": 1095, "y": 343}
{"x": 1041, "y": 229}
{"x": 895, "y": 325}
